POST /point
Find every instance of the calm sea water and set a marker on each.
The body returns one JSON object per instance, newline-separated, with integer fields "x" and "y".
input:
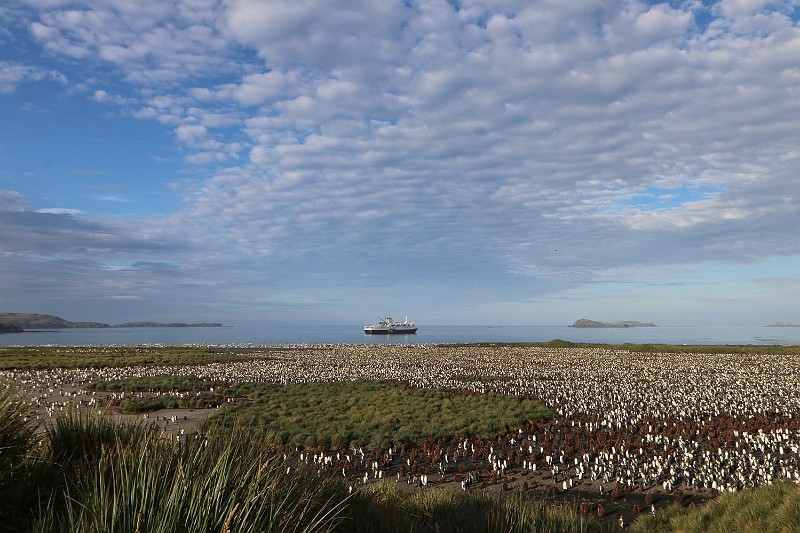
{"x": 426, "y": 334}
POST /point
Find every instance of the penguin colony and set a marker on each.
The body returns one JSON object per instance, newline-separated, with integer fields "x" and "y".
{"x": 644, "y": 423}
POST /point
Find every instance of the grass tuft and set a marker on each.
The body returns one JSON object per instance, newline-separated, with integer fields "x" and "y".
{"x": 17, "y": 435}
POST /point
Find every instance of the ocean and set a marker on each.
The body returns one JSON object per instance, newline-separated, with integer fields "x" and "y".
{"x": 426, "y": 335}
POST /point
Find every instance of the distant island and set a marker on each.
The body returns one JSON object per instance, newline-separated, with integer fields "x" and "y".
{"x": 10, "y": 328}
{"x": 25, "y": 321}
{"x": 168, "y": 325}
{"x": 783, "y": 325}
{"x": 586, "y": 323}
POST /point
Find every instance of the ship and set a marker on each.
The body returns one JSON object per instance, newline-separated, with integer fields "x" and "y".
{"x": 387, "y": 326}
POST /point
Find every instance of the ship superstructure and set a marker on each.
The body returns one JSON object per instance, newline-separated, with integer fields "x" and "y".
{"x": 388, "y": 326}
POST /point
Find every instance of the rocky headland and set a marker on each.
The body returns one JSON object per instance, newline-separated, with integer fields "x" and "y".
{"x": 25, "y": 321}
{"x": 10, "y": 328}
{"x": 586, "y": 323}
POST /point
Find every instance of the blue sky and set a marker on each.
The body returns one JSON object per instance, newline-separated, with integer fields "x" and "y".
{"x": 254, "y": 162}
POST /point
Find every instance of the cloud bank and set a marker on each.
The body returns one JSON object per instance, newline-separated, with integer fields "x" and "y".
{"x": 476, "y": 161}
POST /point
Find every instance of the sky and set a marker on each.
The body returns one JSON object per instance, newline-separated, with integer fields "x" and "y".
{"x": 525, "y": 162}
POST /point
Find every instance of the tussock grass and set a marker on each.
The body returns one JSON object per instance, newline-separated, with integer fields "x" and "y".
{"x": 16, "y": 432}
{"x": 381, "y": 507}
{"x": 202, "y": 399}
{"x": 94, "y": 474}
{"x": 766, "y": 509}
{"x": 17, "y": 464}
{"x": 357, "y": 413}
{"x": 202, "y": 486}
{"x": 80, "y": 436}
{"x": 148, "y": 405}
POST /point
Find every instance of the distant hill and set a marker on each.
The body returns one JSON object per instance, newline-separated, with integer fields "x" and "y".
{"x": 10, "y": 328}
{"x": 783, "y": 325}
{"x": 170, "y": 325}
{"x": 586, "y": 323}
{"x": 37, "y": 321}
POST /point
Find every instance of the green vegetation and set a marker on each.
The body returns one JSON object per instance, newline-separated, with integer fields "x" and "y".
{"x": 16, "y": 436}
{"x": 42, "y": 357}
{"x": 372, "y": 413}
{"x": 206, "y": 394}
{"x": 382, "y": 508}
{"x": 89, "y": 473}
{"x": 92, "y": 474}
{"x": 768, "y": 508}
{"x": 148, "y": 405}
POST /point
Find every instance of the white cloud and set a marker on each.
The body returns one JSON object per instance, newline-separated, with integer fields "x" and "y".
{"x": 263, "y": 87}
{"x": 105, "y": 97}
{"x": 661, "y": 21}
{"x": 151, "y": 42}
{"x": 203, "y": 158}
{"x": 12, "y": 201}
{"x": 13, "y": 74}
{"x": 191, "y": 133}
{"x": 456, "y": 142}
{"x": 61, "y": 211}
{"x": 737, "y": 8}
{"x": 336, "y": 33}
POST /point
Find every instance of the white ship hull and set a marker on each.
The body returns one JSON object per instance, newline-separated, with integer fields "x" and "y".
{"x": 386, "y": 331}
